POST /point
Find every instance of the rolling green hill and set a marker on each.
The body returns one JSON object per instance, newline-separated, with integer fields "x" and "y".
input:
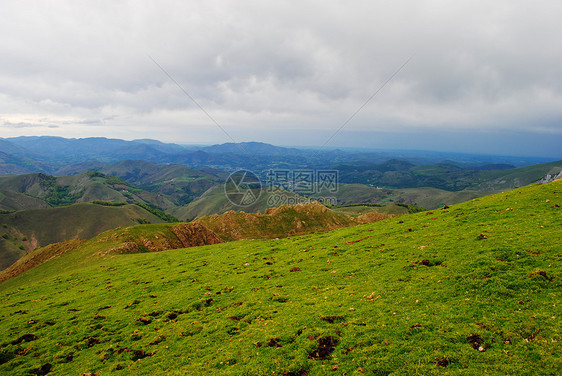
{"x": 427, "y": 197}
{"x": 125, "y": 240}
{"x": 518, "y": 177}
{"x": 447, "y": 175}
{"x": 11, "y": 200}
{"x": 85, "y": 187}
{"x": 179, "y": 183}
{"x": 283, "y": 221}
{"x": 470, "y": 289}
{"x": 356, "y": 210}
{"x": 215, "y": 201}
{"x": 24, "y": 231}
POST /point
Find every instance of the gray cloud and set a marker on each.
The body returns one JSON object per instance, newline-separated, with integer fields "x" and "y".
{"x": 21, "y": 124}
{"x": 258, "y": 67}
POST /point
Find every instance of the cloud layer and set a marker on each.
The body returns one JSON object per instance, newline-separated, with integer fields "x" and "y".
{"x": 289, "y": 72}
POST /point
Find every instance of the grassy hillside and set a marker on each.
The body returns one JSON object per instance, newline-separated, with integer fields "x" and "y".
{"x": 447, "y": 176}
{"x": 15, "y": 160}
{"x": 215, "y": 201}
{"x": 10, "y": 200}
{"x": 86, "y": 187}
{"x": 279, "y": 222}
{"x": 430, "y": 198}
{"x": 518, "y": 177}
{"x": 126, "y": 240}
{"x": 23, "y": 231}
{"x": 470, "y": 289}
{"x": 356, "y": 210}
{"x": 180, "y": 183}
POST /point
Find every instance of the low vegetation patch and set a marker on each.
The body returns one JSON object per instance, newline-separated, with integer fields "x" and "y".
{"x": 157, "y": 212}
{"x": 106, "y": 203}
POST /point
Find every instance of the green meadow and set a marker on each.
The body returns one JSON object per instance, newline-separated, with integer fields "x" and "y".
{"x": 474, "y": 288}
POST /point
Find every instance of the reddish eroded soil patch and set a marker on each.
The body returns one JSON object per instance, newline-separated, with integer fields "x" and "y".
{"x": 282, "y": 221}
{"x": 145, "y": 320}
{"x": 38, "y": 257}
{"x": 356, "y": 241}
{"x": 326, "y": 345}
{"x": 195, "y": 234}
{"x": 185, "y": 235}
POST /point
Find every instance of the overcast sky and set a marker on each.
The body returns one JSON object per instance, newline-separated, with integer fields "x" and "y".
{"x": 479, "y": 76}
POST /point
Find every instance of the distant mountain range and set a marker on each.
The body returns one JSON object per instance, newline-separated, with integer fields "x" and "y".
{"x": 50, "y": 154}
{"x": 54, "y": 155}
{"x": 66, "y": 171}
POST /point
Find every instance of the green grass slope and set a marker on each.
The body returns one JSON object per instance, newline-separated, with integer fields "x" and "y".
{"x": 10, "y": 200}
{"x": 426, "y": 197}
{"x": 23, "y": 231}
{"x": 180, "y": 183}
{"x": 356, "y": 210}
{"x": 447, "y": 176}
{"x": 470, "y": 289}
{"x": 86, "y": 187}
{"x": 125, "y": 240}
{"x": 504, "y": 180}
{"x": 215, "y": 201}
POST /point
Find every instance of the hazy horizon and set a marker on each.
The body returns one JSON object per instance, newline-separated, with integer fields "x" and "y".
{"x": 470, "y": 77}
{"x": 392, "y": 152}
